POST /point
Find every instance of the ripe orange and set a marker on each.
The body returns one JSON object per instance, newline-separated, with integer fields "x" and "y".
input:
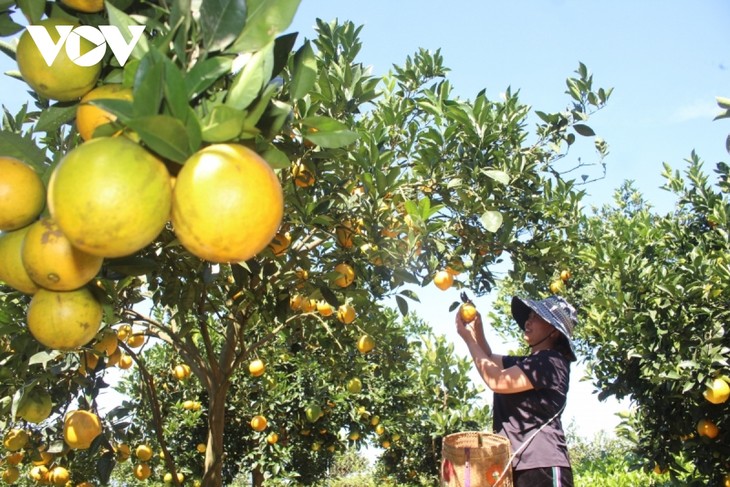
{"x": 143, "y": 452}
{"x": 88, "y": 6}
{"x": 11, "y": 475}
{"x": 468, "y": 312}
{"x": 41, "y": 457}
{"x": 59, "y": 475}
{"x": 142, "y": 471}
{"x": 22, "y": 194}
{"x": 35, "y": 406}
{"x": 110, "y": 196}
{"x": 280, "y": 243}
{"x": 717, "y": 392}
{"x": 15, "y": 439}
{"x": 443, "y": 280}
{"x": 565, "y": 275}
{"x": 706, "y": 427}
{"x": 39, "y": 473}
{"x": 125, "y": 362}
{"x": 201, "y": 447}
{"x": 64, "y": 320}
{"x": 90, "y": 117}
{"x": 123, "y": 452}
{"x": 303, "y": 177}
{"x": 106, "y": 342}
{"x": 136, "y": 340}
{"x": 227, "y": 203}
{"x": 556, "y": 286}
{"x": 52, "y": 262}
{"x": 181, "y": 371}
{"x": 324, "y": 308}
{"x": 295, "y": 302}
{"x": 63, "y": 80}
{"x": 14, "y": 458}
{"x": 257, "y": 368}
{"x": 346, "y": 313}
{"x": 12, "y": 270}
{"x": 346, "y": 275}
{"x": 365, "y": 344}
{"x": 272, "y": 438}
{"x": 80, "y": 428}
{"x": 258, "y": 423}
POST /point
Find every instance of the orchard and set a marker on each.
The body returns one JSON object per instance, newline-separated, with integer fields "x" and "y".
{"x": 219, "y": 219}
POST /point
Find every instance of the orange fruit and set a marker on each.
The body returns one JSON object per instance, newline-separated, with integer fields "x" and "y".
{"x": 106, "y": 342}
{"x": 346, "y": 275}
{"x": 443, "y": 280}
{"x": 142, "y": 471}
{"x": 64, "y": 320}
{"x": 22, "y": 194}
{"x": 59, "y": 475}
{"x": 565, "y": 275}
{"x": 281, "y": 243}
{"x": 227, "y": 204}
{"x": 354, "y": 386}
{"x": 80, "y": 428}
{"x": 124, "y": 331}
{"x": 468, "y": 312}
{"x": 181, "y": 371}
{"x": 143, "y": 452}
{"x": 324, "y": 308}
{"x": 136, "y": 340}
{"x": 110, "y": 196}
{"x": 125, "y": 362}
{"x": 41, "y": 458}
{"x": 89, "y": 117}
{"x": 11, "y": 474}
{"x": 365, "y": 344}
{"x": 706, "y": 427}
{"x": 258, "y": 423}
{"x": 12, "y": 271}
{"x": 272, "y": 438}
{"x": 201, "y": 447}
{"x": 88, "y": 6}
{"x": 303, "y": 177}
{"x": 88, "y": 362}
{"x": 122, "y": 452}
{"x": 556, "y": 286}
{"x": 15, "y": 439}
{"x": 295, "y": 302}
{"x": 35, "y": 406}
{"x": 52, "y": 262}
{"x": 63, "y": 80}
{"x": 257, "y": 368}
{"x": 717, "y": 392}
{"x": 39, "y": 473}
{"x": 346, "y": 313}
{"x": 14, "y": 458}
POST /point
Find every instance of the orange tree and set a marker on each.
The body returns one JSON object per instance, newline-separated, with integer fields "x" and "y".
{"x": 402, "y": 397}
{"x": 361, "y": 185}
{"x": 653, "y": 291}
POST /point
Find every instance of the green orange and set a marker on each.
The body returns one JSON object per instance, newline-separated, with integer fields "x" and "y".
{"x": 64, "y": 320}
{"x": 22, "y": 194}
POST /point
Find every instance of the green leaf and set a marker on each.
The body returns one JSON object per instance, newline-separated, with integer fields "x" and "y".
{"x": 123, "y": 109}
{"x": 163, "y": 134}
{"x": 277, "y": 159}
{"x": 402, "y": 305}
{"x": 220, "y": 22}
{"x": 497, "y": 175}
{"x": 491, "y": 220}
{"x": 223, "y": 123}
{"x": 265, "y": 21}
{"x": 149, "y": 84}
{"x": 33, "y": 10}
{"x": 15, "y": 145}
{"x": 584, "y": 130}
{"x": 305, "y": 72}
{"x": 205, "y": 73}
{"x": 7, "y": 26}
{"x": 122, "y": 21}
{"x": 131, "y": 266}
{"x": 53, "y": 117}
{"x": 723, "y": 102}
{"x": 174, "y": 90}
{"x": 249, "y": 81}
{"x": 328, "y": 132}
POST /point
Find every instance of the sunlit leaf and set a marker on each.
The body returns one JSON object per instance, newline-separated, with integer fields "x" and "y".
{"x": 265, "y": 20}
{"x": 491, "y": 220}
{"x": 220, "y": 22}
{"x": 163, "y": 134}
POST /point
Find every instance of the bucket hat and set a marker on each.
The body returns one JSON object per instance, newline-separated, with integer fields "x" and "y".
{"x": 554, "y": 309}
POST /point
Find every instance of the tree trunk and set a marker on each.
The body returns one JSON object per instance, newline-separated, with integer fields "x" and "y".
{"x": 213, "y": 476}
{"x": 257, "y": 477}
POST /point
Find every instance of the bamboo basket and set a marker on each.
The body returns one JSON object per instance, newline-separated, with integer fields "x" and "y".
{"x": 475, "y": 459}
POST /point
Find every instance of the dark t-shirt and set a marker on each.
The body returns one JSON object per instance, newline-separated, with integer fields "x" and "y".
{"x": 518, "y": 416}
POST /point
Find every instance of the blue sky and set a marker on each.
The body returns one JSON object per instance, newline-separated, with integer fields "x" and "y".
{"x": 666, "y": 60}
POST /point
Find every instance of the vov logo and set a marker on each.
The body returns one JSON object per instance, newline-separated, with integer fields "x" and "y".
{"x": 70, "y": 37}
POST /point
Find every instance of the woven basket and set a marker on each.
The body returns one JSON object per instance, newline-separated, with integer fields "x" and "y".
{"x": 475, "y": 459}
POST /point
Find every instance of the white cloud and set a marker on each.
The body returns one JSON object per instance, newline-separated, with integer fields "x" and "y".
{"x": 698, "y": 109}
